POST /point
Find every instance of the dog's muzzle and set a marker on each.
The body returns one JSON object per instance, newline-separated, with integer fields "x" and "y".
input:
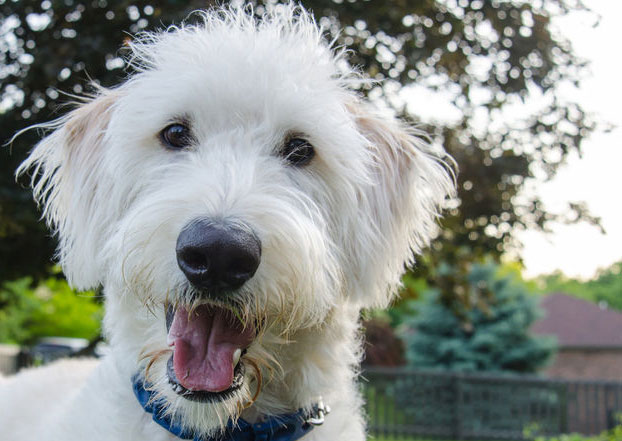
{"x": 209, "y": 338}
{"x": 217, "y": 256}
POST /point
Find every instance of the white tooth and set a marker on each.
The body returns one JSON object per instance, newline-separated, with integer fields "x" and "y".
{"x": 236, "y": 356}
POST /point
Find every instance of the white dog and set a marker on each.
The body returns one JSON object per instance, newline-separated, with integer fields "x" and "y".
{"x": 240, "y": 205}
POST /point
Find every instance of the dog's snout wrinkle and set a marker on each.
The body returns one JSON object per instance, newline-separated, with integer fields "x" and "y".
{"x": 217, "y": 255}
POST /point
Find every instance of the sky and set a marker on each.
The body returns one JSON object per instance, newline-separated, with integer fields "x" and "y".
{"x": 596, "y": 178}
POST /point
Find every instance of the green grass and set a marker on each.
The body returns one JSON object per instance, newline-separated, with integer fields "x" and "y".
{"x": 390, "y": 438}
{"x": 382, "y": 438}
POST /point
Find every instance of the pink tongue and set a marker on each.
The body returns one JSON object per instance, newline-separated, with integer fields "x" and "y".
{"x": 204, "y": 345}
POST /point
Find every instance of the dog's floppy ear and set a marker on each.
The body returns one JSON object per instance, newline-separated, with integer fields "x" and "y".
{"x": 409, "y": 186}
{"x": 65, "y": 171}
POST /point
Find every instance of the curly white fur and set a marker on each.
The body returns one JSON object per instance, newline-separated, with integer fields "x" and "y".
{"x": 335, "y": 234}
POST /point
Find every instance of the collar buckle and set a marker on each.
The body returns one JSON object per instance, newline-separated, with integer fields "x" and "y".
{"x": 318, "y": 412}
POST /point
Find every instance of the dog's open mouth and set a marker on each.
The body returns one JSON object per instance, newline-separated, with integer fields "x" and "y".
{"x": 207, "y": 343}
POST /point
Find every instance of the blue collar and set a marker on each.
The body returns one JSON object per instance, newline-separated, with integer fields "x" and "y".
{"x": 287, "y": 427}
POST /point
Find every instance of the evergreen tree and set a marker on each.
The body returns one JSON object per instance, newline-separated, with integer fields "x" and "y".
{"x": 490, "y": 334}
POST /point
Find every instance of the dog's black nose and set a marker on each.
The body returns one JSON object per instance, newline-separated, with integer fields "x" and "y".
{"x": 216, "y": 255}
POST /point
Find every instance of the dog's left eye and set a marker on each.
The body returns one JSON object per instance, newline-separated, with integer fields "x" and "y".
{"x": 298, "y": 151}
{"x": 176, "y": 136}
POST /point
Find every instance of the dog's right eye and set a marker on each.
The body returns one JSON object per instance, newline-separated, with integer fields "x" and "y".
{"x": 176, "y": 136}
{"x": 298, "y": 151}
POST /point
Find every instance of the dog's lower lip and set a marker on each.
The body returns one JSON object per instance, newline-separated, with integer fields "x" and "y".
{"x": 205, "y": 396}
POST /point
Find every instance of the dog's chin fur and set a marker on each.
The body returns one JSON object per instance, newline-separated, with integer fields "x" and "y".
{"x": 335, "y": 233}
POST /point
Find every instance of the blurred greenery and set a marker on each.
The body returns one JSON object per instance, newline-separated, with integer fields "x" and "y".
{"x": 50, "y": 308}
{"x": 605, "y": 288}
{"x": 490, "y": 334}
{"x": 614, "y": 434}
{"x": 401, "y": 438}
{"x": 487, "y": 58}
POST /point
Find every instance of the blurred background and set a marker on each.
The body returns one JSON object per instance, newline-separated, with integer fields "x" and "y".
{"x": 510, "y": 325}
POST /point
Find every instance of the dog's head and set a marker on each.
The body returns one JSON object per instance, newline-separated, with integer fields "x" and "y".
{"x": 234, "y": 198}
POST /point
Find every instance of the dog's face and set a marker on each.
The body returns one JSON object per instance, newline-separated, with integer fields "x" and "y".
{"x": 232, "y": 198}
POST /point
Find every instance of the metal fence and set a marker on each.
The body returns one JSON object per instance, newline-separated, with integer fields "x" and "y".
{"x": 402, "y": 403}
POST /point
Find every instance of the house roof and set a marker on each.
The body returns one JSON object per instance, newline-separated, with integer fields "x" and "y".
{"x": 579, "y": 323}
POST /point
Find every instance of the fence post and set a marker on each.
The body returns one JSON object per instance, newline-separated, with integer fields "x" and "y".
{"x": 458, "y": 393}
{"x": 563, "y": 407}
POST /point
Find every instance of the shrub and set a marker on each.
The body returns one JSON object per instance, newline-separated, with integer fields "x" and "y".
{"x": 50, "y": 308}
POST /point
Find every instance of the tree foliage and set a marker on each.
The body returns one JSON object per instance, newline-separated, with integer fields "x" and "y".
{"x": 487, "y": 336}
{"x": 605, "y": 288}
{"x": 487, "y": 58}
{"x": 51, "y": 308}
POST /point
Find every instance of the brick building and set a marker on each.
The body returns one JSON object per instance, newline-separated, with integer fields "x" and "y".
{"x": 589, "y": 338}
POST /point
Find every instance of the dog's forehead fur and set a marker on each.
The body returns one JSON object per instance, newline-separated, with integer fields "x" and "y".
{"x": 287, "y": 39}
{"x": 233, "y": 73}
{"x": 335, "y": 233}
{"x": 246, "y": 86}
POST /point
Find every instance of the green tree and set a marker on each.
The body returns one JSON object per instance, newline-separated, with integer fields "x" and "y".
{"x": 486, "y": 336}
{"x": 486, "y": 57}
{"x": 604, "y": 288}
